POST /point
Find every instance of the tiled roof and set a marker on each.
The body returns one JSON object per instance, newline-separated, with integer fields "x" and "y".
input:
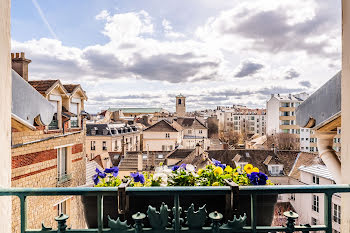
{"x": 42, "y": 85}
{"x": 257, "y": 158}
{"x": 91, "y": 169}
{"x": 70, "y": 87}
{"x": 304, "y": 159}
{"x": 190, "y": 122}
{"x": 161, "y": 126}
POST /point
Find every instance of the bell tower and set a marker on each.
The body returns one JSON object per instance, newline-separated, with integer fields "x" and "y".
{"x": 180, "y": 105}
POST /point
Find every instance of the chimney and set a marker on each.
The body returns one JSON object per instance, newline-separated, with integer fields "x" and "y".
{"x": 20, "y": 64}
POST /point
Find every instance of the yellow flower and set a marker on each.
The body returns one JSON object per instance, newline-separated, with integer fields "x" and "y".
{"x": 200, "y": 171}
{"x": 216, "y": 184}
{"x": 236, "y": 174}
{"x": 255, "y": 169}
{"x": 218, "y": 171}
{"x": 228, "y": 169}
{"x": 248, "y": 168}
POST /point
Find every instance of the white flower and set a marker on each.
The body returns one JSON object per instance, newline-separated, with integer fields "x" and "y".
{"x": 190, "y": 168}
{"x": 163, "y": 177}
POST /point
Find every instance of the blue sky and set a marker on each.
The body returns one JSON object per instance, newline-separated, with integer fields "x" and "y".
{"x": 143, "y": 53}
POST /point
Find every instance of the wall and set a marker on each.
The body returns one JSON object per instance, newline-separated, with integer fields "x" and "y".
{"x": 5, "y": 113}
{"x": 35, "y": 165}
{"x": 272, "y": 115}
{"x": 303, "y": 202}
{"x": 153, "y": 141}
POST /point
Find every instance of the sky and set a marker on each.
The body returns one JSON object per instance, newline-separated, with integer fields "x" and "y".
{"x": 137, "y": 53}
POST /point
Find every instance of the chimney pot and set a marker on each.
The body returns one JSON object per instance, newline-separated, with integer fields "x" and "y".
{"x": 20, "y": 64}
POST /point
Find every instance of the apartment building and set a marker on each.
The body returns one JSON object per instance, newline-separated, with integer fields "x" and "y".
{"x": 162, "y": 136}
{"x": 242, "y": 120}
{"x": 280, "y": 112}
{"x": 104, "y": 139}
{"x": 47, "y": 145}
{"x": 194, "y": 132}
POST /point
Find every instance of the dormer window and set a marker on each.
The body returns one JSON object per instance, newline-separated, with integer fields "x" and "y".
{"x": 167, "y": 135}
{"x": 54, "y": 123}
{"x": 105, "y": 132}
{"x": 275, "y": 169}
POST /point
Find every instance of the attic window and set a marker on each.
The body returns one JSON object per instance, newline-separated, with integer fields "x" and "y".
{"x": 93, "y": 132}
{"x": 247, "y": 154}
{"x": 275, "y": 169}
{"x": 105, "y": 132}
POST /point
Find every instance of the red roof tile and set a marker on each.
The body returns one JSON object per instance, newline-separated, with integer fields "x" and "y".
{"x": 42, "y": 85}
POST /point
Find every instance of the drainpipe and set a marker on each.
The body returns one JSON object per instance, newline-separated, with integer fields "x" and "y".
{"x": 328, "y": 155}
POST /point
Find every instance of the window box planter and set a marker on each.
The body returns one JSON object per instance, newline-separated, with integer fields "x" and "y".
{"x": 139, "y": 202}
{"x": 180, "y": 192}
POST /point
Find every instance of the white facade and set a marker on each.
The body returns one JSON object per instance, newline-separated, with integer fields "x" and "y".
{"x": 161, "y": 141}
{"x": 5, "y": 116}
{"x": 310, "y": 207}
{"x": 281, "y": 118}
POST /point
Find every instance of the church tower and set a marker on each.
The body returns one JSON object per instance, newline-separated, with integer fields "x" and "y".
{"x": 180, "y": 106}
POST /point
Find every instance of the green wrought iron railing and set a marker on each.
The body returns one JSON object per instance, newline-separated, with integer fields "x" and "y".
{"x": 177, "y": 193}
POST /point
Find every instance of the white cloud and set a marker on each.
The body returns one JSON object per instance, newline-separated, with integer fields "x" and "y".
{"x": 224, "y": 62}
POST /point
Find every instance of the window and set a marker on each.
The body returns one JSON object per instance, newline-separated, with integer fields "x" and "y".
{"x": 313, "y": 221}
{"x": 160, "y": 156}
{"x": 62, "y": 163}
{"x": 163, "y": 147}
{"x": 171, "y": 147}
{"x": 274, "y": 169}
{"x": 315, "y": 203}
{"x": 336, "y": 213}
{"x": 179, "y": 101}
{"x": 62, "y": 208}
{"x": 292, "y": 196}
{"x": 93, "y": 145}
{"x": 116, "y": 145}
{"x": 104, "y": 145}
{"x": 167, "y": 135}
{"x": 200, "y": 131}
{"x": 315, "y": 179}
{"x": 54, "y": 123}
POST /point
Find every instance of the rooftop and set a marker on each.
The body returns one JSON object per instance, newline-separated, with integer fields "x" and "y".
{"x": 137, "y": 110}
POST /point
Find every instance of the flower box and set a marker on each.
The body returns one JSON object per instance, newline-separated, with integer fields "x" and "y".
{"x": 226, "y": 200}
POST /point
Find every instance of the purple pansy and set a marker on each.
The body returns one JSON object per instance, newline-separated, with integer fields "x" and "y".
{"x": 138, "y": 177}
{"x": 175, "y": 168}
{"x": 183, "y": 166}
{"x": 113, "y": 170}
{"x": 257, "y": 178}
{"x": 219, "y": 164}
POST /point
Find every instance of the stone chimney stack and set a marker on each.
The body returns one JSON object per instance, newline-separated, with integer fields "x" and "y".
{"x": 20, "y": 64}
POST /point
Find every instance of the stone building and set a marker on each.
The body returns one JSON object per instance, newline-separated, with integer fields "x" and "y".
{"x": 180, "y": 106}
{"x": 47, "y": 146}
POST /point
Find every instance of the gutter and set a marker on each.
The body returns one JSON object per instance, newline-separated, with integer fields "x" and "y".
{"x": 20, "y": 120}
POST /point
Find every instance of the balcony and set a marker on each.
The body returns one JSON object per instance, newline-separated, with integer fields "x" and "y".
{"x": 177, "y": 193}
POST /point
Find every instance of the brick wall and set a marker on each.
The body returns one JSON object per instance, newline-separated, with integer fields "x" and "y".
{"x": 35, "y": 165}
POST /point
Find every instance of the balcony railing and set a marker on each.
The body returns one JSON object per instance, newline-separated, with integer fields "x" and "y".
{"x": 177, "y": 193}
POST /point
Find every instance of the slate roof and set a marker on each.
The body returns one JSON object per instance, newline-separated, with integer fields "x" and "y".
{"x": 136, "y": 110}
{"x": 319, "y": 170}
{"x": 179, "y": 153}
{"x": 257, "y": 158}
{"x": 161, "y": 126}
{"x": 322, "y": 105}
{"x": 190, "y": 122}
{"x": 108, "y": 129}
{"x": 43, "y": 85}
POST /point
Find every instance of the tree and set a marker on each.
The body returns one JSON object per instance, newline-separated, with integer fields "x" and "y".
{"x": 283, "y": 141}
